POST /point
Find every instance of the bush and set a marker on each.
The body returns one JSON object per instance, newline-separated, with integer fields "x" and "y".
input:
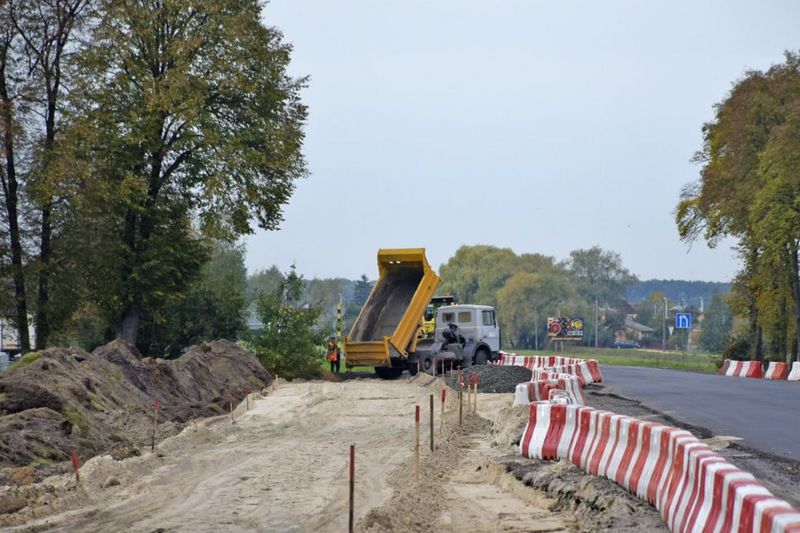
{"x": 289, "y": 345}
{"x": 737, "y": 348}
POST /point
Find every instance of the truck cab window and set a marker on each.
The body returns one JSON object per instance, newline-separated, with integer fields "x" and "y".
{"x": 448, "y": 318}
{"x": 465, "y": 317}
{"x": 488, "y": 318}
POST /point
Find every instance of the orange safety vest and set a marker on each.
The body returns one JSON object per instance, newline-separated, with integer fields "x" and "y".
{"x": 332, "y": 352}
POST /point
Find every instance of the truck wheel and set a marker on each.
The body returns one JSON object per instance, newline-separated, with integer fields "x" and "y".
{"x": 481, "y": 357}
{"x": 385, "y": 372}
{"x": 426, "y": 365}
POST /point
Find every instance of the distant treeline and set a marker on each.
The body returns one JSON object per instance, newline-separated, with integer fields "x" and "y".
{"x": 679, "y": 290}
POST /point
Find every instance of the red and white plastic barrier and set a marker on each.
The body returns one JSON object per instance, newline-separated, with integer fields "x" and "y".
{"x": 777, "y": 370}
{"x": 693, "y": 488}
{"x": 540, "y": 390}
{"x": 741, "y": 369}
{"x": 794, "y": 374}
{"x": 586, "y": 369}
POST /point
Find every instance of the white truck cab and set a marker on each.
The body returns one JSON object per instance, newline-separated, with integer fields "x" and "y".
{"x": 477, "y": 324}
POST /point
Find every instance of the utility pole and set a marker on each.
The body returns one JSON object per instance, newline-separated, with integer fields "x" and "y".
{"x": 595, "y": 321}
{"x": 664, "y": 330}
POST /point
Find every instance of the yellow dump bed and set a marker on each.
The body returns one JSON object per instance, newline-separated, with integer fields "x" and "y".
{"x": 388, "y": 322}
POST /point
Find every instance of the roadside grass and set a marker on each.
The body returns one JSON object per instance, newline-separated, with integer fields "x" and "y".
{"x": 699, "y": 362}
{"x": 26, "y": 359}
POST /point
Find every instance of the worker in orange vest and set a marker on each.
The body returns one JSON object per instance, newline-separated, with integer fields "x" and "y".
{"x": 333, "y": 355}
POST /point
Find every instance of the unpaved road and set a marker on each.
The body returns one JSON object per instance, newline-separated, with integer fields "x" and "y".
{"x": 283, "y": 467}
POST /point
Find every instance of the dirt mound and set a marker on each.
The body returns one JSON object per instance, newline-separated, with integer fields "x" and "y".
{"x": 101, "y": 402}
{"x": 494, "y": 378}
{"x": 596, "y": 504}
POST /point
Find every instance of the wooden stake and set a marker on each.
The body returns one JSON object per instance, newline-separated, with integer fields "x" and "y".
{"x": 75, "y": 465}
{"x": 352, "y": 482}
{"x": 156, "y": 405}
{"x": 431, "y": 422}
{"x": 416, "y": 443}
{"x": 441, "y": 416}
{"x": 230, "y": 408}
{"x": 469, "y": 392}
{"x": 461, "y": 405}
{"x": 475, "y": 405}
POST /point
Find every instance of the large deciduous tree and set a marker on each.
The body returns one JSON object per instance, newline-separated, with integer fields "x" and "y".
{"x": 38, "y": 45}
{"x": 748, "y": 190}
{"x": 197, "y": 130}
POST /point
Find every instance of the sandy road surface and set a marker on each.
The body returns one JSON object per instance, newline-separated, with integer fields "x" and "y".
{"x": 283, "y": 467}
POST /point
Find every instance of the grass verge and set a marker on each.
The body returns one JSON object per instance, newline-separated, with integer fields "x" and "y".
{"x": 699, "y": 362}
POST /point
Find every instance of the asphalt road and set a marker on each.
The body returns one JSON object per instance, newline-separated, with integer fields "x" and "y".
{"x": 765, "y": 414}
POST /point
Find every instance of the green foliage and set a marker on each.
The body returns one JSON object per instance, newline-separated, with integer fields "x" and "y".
{"x": 737, "y": 348}
{"x": 77, "y": 420}
{"x": 263, "y": 282}
{"x": 748, "y": 189}
{"x": 25, "y": 360}
{"x": 212, "y": 308}
{"x": 184, "y": 134}
{"x": 717, "y": 324}
{"x": 290, "y": 344}
{"x": 599, "y": 275}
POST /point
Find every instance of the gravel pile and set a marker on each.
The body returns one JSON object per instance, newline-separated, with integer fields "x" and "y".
{"x": 493, "y": 378}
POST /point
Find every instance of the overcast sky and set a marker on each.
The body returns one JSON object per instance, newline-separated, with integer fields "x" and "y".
{"x": 539, "y": 126}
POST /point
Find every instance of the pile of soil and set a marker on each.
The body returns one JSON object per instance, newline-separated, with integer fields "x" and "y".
{"x": 494, "y": 378}
{"x": 596, "y": 504}
{"x": 102, "y": 402}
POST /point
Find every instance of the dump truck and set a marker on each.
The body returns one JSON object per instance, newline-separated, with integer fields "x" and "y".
{"x": 385, "y": 335}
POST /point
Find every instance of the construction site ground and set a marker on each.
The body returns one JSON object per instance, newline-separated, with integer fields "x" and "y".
{"x": 283, "y": 466}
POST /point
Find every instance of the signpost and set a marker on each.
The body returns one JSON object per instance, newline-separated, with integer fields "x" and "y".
{"x": 684, "y": 321}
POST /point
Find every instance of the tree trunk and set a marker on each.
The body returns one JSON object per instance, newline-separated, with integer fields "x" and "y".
{"x": 129, "y": 325}
{"x": 42, "y": 319}
{"x": 795, "y": 282}
{"x": 759, "y": 348}
{"x": 11, "y": 191}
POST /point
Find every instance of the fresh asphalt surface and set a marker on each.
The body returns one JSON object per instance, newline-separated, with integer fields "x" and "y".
{"x": 763, "y": 413}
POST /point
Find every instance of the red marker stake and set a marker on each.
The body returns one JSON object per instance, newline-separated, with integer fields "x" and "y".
{"x": 352, "y": 482}
{"x": 75, "y": 465}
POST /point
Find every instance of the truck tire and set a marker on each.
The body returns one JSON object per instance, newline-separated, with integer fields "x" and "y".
{"x": 426, "y": 365}
{"x": 386, "y": 372}
{"x": 481, "y": 356}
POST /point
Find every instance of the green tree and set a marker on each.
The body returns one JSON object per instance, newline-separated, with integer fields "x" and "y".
{"x": 527, "y": 299}
{"x": 717, "y": 324}
{"x": 38, "y": 45}
{"x": 599, "y": 275}
{"x": 263, "y": 281}
{"x": 291, "y": 344}
{"x": 189, "y": 115}
{"x": 212, "y": 308}
{"x": 747, "y": 190}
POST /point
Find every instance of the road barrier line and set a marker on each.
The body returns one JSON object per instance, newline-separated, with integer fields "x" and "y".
{"x": 692, "y": 487}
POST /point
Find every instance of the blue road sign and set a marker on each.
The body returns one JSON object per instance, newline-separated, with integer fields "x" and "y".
{"x": 683, "y": 320}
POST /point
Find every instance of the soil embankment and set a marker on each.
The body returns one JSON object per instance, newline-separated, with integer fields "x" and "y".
{"x": 101, "y": 402}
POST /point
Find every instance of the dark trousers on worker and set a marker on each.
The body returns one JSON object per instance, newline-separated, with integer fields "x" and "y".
{"x": 335, "y": 366}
